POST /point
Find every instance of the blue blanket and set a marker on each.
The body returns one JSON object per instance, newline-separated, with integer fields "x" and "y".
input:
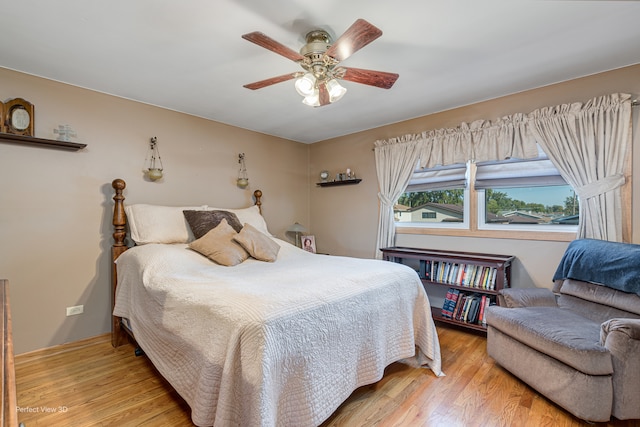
{"x": 611, "y": 264}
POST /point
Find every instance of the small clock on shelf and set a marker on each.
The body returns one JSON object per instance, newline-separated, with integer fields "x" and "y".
{"x": 324, "y": 175}
{"x": 18, "y": 117}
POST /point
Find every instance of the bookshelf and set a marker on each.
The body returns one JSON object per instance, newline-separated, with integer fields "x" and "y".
{"x": 467, "y": 275}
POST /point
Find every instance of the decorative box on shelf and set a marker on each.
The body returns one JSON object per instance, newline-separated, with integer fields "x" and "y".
{"x": 473, "y": 281}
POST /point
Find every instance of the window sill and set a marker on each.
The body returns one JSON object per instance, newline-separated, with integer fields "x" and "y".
{"x": 553, "y": 236}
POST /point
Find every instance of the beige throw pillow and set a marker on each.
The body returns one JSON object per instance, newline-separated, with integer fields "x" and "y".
{"x": 218, "y": 245}
{"x": 259, "y": 245}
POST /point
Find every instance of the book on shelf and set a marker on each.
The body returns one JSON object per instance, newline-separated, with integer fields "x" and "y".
{"x": 466, "y": 307}
{"x": 460, "y": 276}
{"x": 483, "y": 302}
{"x": 487, "y": 279}
{"x": 474, "y": 311}
{"x": 425, "y": 269}
{"x": 446, "y": 305}
{"x": 450, "y": 303}
{"x": 487, "y": 303}
{"x": 453, "y": 274}
{"x": 469, "y": 275}
{"x": 483, "y": 278}
{"x": 459, "y": 305}
{"x": 481, "y": 309}
{"x": 478, "y": 279}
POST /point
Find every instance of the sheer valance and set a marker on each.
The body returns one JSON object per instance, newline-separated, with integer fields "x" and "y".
{"x": 482, "y": 140}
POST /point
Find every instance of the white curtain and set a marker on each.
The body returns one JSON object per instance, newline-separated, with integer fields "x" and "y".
{"x": 396, "y": 160}
{"x": 588, "y": 145}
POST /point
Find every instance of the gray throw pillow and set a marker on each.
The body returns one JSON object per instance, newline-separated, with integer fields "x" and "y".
{"x": 201, "y": 222}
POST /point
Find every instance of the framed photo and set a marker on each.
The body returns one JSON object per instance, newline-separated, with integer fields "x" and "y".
{"x": 309, "y": 243}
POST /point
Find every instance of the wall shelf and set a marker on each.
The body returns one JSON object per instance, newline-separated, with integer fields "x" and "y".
{"x": 40, "y": 142}
{"x": 335, "y": 183}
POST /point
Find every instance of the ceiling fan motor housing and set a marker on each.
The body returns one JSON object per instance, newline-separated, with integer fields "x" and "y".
{"x": 318, "y": 41}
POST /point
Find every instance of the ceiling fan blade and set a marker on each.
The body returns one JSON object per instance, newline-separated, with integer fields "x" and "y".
{"x": 357, "y": 36}
{"x": 323, "y": 95}
{"x": 267, "y": 42}
{"x": 271, "y": 81}
{"x": 380, "y": 79}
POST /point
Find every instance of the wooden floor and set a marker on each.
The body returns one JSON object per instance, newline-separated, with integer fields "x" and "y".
{"x": 89, "y": 383}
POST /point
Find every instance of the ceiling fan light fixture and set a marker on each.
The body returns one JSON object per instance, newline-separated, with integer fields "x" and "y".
{"x": 312, "y": 100}
{"x": 306, "y": 84}
{"x": 336, "y": 90}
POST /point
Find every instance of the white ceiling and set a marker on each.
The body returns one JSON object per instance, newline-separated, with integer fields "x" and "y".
{"x": 189, "y": 56}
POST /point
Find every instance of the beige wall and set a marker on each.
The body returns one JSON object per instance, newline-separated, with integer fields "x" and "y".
{"x": 56, "y": 205}
{"x": 344, "y": 219}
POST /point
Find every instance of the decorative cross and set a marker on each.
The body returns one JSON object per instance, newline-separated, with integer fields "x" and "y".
{"x": 65, "y": 133}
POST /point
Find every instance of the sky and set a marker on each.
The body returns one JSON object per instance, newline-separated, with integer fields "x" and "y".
{"x": 547, "y": 196}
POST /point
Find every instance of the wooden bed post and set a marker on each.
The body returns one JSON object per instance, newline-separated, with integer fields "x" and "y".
{"x": 258, "y": 194}
{"x": 118, "y": 247}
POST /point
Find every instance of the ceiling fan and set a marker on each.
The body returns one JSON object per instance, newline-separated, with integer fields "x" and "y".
{"x": 320, "y": 59}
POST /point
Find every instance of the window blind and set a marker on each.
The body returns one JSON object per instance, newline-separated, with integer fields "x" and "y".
{"x": 538, "y": 172}
{"x": 438, "y": 178}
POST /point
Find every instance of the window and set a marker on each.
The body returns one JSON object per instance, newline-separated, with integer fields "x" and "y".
{"x": 512, "y": 195}
{"x": 549, "y": 206}
{"x": 524, "y": 194}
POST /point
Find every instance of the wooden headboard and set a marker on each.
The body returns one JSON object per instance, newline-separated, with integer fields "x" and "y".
{"x": 118, "y": 333}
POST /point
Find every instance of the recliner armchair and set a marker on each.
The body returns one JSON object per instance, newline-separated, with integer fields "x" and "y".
{"x": 578, "y": 345}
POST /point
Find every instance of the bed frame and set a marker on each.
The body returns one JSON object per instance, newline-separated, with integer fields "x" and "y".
{"x": 120, "y": 333}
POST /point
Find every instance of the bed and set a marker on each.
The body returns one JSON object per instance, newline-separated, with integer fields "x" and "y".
{"x": 280, "y": 342}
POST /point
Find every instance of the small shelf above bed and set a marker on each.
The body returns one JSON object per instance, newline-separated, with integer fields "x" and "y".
{"x": 335, "y": 183}
{"x": 40, "y": 142}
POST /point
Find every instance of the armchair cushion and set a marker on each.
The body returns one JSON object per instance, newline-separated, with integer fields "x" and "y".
{"x": 602, "y": 295}
{"x": 561, "y": 334}
{"x": 528, "y": 297}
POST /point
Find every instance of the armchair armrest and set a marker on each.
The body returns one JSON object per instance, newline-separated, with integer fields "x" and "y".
{"x": 622, "y": 338}
{"x": 528, "y": 297}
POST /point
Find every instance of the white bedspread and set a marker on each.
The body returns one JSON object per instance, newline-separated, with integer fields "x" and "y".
{"x": 272, "y": 344}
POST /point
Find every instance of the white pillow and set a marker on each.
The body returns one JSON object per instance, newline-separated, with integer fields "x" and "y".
{"x": 167, "y": 224}
{"x": 159, "y": 224}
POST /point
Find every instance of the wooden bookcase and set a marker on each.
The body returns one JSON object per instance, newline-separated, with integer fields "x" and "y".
{"x": 475, "y": 274}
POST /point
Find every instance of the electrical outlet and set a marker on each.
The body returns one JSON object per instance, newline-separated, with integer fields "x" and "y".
{"x": 72, "y": 311}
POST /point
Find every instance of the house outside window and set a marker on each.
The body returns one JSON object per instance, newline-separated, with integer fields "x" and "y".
{"x": 437, "y": 197}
